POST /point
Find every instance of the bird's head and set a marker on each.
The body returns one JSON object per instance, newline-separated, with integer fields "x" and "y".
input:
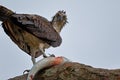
{"x": 59, "y": 20}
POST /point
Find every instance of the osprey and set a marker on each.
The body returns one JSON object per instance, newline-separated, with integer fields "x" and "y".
{"x": 33, "y": 33}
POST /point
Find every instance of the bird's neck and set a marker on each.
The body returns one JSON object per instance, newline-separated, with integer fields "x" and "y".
{"x": 58, "y": 26}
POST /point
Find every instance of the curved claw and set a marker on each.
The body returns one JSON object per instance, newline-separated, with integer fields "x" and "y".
{"x": 51, "y": 55}
{"x": 26, "y": 71}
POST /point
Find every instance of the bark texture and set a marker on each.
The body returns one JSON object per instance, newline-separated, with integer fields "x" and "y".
{"x": 74, "y": 71}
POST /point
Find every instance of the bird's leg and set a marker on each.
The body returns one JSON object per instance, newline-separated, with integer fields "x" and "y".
{"x": 43, "y": 52}
{"x": 45, "y": 56}
{"x": 33, "y": 59}
{"x": 42, "y": 49}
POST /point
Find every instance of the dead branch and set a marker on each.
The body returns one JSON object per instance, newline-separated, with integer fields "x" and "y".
{"x": 74, "y": 71}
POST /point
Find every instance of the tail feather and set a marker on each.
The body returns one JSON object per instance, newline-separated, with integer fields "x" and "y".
{"x": 5, "y": 13}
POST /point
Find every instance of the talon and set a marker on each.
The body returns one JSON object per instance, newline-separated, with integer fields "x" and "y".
{"x": 44, "y": 55}
{"x": 26, "y": 71}
{"x": 52, "y": 55}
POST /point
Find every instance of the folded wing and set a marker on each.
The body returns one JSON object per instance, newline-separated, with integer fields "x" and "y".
{"x": 39, "y": 27}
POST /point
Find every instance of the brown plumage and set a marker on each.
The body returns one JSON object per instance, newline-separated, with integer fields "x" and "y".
{"x": 33, "y": 33}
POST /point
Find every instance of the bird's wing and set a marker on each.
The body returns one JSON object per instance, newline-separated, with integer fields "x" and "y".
{"x": 39, "y": 27}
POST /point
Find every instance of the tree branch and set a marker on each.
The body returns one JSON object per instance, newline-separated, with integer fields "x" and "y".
{"x": 74, "y": 71}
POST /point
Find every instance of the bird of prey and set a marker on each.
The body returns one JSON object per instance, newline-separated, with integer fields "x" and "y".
{"x": 33, "y": 33}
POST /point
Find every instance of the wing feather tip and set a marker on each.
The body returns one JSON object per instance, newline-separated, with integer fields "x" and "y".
{"x": 57, "y": 43}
